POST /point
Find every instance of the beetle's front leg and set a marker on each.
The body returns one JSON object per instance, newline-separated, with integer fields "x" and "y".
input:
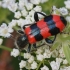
{"x": 34, "y": 45}
{"x": 36, "y": 16}
{"x": 29, "y": 48}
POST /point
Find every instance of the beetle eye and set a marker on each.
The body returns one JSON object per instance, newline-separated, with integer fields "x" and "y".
{"x": 23, "y": 39}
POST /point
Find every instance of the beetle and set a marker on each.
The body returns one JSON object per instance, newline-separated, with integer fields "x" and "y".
{"x": 42, "y": 29}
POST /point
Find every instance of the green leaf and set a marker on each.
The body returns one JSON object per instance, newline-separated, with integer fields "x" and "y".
{"x": 55, "y": 45}
{"x": 3, "y": 14}
{"x": 66, "y": 50}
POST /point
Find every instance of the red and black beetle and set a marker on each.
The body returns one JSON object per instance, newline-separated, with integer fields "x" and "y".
{"x": 49, "y": 26}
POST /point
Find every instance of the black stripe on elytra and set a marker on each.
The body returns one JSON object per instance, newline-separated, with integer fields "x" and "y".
{"x": 35, "y": 31}
{"x": 63, "y": 20}
{"x": 51, "y": 25}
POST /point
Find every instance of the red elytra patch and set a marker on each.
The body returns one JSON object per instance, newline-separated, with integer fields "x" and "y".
{"x": 30, "y": 37}
{"x": 44, "y": 30}
{"x": 27, "y": 30}
{"x": 59, "y": 24}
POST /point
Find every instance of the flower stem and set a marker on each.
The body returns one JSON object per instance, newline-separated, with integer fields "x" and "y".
{"x": 5, "y": 48}
{"x": 39, "y": 65}
{"x": 8, "y": 49}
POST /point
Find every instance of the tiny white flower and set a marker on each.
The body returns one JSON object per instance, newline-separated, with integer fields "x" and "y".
{"x": 27, "y": 55}
{"x": 44, "y": 68}
{"x": 5, "y": 30}
{"x": 40, "y": 57}
{"x": 13, "y": 7}
{"x": 39, "y": 50}
{"x": 63, "y": 68}
{"x": 17, "y": 14}
{"x": 22, "y": 64}
{"x": 12, "y": 23}
{"x": 0, "y": 3}
{"x": 59, "y": 60}
{"x": 6, "y": 1}
{"x": 65, "y": 61}
{"x": 38, "y": 9}
{"x": 54, "y": 65}
{"x": 68, "y": 68}
{"x": 28, "y": 18}
{"x": 15, "y": 52}
{"x": 67, "y": 4}
{"x": 21, "y": 4}
{"x": 43, "y": 1}
{"x": 20, "y": 69}
{"x": 55, "y": 53}
{"x": 34, "y": 65}
{"x": 68, "y": 18}
{"x": 28, "y": 21}
{"x": 24, "y": 12}
{"x": 1, "y": 41}
{"x": 55, "y": 10}
{"x": 29, "y": 6}
{"x": 32, "y": 19}
{"x": 63, "y": 11}
{"x": 31, "y": 59}
{"x": 35, "y": 1}
{"x": 61, "y": 54}
{"x": 28, "y": 66}
{"x": 4, "y": 5}
{"x": 54, "y": 7}
{"x": 20, "y": 22}
{"x": 47, "y": 53}
{"x": 31, "y": 13}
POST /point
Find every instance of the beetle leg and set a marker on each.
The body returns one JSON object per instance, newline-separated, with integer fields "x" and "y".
{"x": 41, "y": 45}
{"x": 20, "y": 32}
{"x": 26, "y": 25}
{"x": 34, "y": 45}
{"x": 29, "y": 48}
{"x": 49, "y": 40}
{"x": 36, "y": 16}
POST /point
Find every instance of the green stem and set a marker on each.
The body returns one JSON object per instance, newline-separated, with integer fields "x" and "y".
{"x": 39, "y": 65}
{"x": 8, "y": 49}
{"x": 5, "y": 48}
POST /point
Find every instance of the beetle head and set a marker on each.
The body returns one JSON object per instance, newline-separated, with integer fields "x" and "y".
{"x": 21, "y": 41}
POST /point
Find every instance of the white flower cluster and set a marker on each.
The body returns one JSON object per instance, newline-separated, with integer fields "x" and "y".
{"x": 15, "y": 52}
{"x": 41, "y": 54}
{"x": 5, "y": 30}
{"x": 23, "y": 8}
{"x": 67, "y": 5}
{"x": 63, "y": 10}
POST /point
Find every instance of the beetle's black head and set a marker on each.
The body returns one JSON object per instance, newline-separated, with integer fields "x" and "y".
{"x": 21, "y": 41}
